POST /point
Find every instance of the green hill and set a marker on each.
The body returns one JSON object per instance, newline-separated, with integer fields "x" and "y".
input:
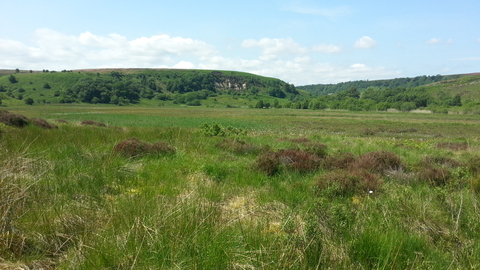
{"x": 325, "y": 89}
{"x": 127, "y": 86}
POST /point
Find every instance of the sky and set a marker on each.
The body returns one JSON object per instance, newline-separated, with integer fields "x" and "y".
{"x": 301, "y": 42}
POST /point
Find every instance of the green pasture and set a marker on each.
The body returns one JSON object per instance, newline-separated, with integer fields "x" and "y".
{"x": 69, "y": 201}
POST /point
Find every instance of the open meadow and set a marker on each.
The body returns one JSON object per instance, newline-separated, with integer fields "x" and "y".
{"x": 149, "y": 187}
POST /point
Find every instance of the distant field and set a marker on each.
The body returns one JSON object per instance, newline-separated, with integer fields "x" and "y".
{"x": 151, "y": 187}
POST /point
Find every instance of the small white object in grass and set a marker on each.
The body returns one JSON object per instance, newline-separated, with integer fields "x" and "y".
{"x": 371, "y": 191}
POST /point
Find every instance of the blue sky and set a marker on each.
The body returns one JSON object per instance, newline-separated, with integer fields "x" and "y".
{"x": 301, "y": 42}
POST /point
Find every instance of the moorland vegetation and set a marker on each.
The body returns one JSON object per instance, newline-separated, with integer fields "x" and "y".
{"x": 149, "y": 187}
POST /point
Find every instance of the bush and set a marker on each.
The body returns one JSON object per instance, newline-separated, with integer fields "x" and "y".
{"x": 92, "y": 123}
{"x": 348, "y": 183}
{"x": 378, "y": 161}
{"x": 214, "y": 129}
{"x": 133, "y": 147}
{"x": 13, "y": 119}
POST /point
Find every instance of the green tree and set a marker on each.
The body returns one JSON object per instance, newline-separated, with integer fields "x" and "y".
{"x": 29, "y": 101}
{"x": 259, "y": 104}
{"x": 456, "y": 101}
{"x": 12, "y": 79}
{"x": 17, "y": 70}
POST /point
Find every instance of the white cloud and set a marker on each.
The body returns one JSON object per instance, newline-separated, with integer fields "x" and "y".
{"x": 275, "y": 46}
{"x": 434, "y": 41}
{"x": 184, "y": 65}
{"x": 54, "y": 50}
{"x": 281, "y": 58}
{"x": 365, "y": 42}
{"x": 327, "y": 48}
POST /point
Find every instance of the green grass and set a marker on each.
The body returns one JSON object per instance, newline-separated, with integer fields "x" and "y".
{"x": 68, "y": 202}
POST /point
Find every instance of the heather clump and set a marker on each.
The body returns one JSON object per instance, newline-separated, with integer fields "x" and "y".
{"x": 92, "y": 123}
{"x": 290, "y": 159}
{"x": 13, "y": 119}
{"x": 378, "y": 161}
{"x": 39, "y": 122}
{"x": 348, "y": 183}
{"x": 133, "y": 147}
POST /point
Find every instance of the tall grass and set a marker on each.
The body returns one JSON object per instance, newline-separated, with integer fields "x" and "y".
{"x": 68, "y": 201}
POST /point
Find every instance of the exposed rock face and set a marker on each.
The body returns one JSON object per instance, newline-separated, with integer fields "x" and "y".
{"x": 227, "y": 84}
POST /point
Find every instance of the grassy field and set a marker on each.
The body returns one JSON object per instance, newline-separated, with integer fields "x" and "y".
{"x": 218, "y": 188}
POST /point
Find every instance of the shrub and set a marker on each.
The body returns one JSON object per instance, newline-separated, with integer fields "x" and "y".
{"x": 133, "y": 147}
{"x": 338, "y": 161}
{"x": 92, "y": 123}
{"x": 13, "y": 119}
{"x": 39, "y": 122}
{"x": 348, "y": 183}
{"x": 378, "y": 161}
{"x": 215, "y": 129}
{"x": 435, "y": 176}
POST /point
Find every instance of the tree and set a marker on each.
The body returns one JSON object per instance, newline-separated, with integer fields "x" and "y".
{"x": 29, "y": 101}
{"x": 12, "y": 79}
{"x": 456, "y": 101}
{"x": 17, "y": 70}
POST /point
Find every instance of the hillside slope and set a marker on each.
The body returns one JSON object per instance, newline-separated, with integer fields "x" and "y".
{"x": 125, "y": 86}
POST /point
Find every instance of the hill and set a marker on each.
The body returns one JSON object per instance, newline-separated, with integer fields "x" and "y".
{"x": 325, "y": 89}
{"x": 126, "y": 86}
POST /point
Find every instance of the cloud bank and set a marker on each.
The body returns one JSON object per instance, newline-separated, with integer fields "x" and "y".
{"x": 282, "y": 58}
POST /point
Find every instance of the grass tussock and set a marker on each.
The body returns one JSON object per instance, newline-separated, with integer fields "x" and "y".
{"x": 133, "y": 147}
